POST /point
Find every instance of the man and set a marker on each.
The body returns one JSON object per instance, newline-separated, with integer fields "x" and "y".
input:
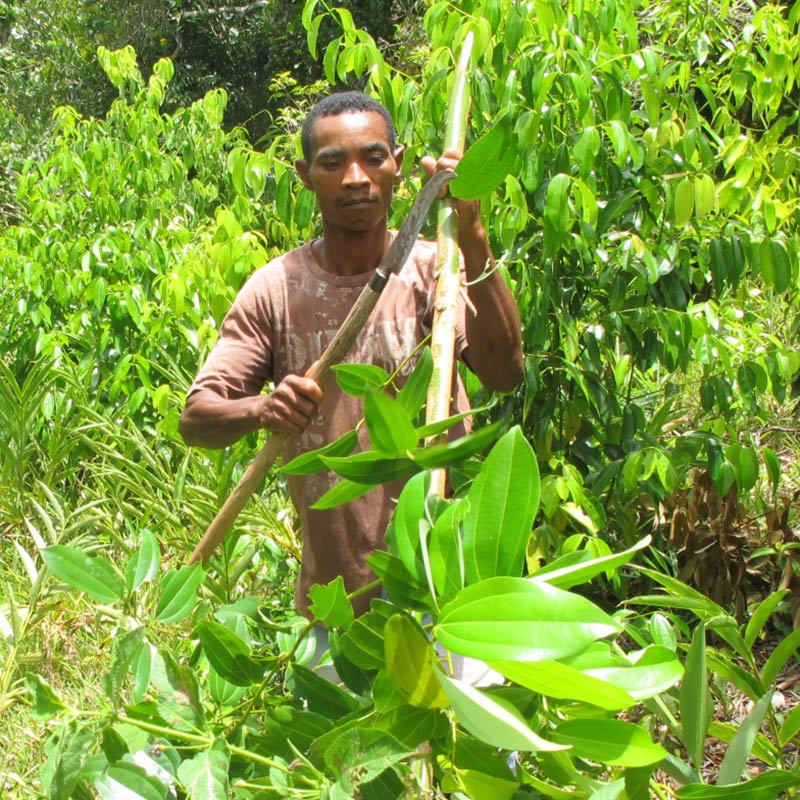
{"x": 287, "y": 313}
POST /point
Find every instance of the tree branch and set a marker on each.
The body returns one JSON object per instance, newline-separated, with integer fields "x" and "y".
{"x": 213, "y": 12}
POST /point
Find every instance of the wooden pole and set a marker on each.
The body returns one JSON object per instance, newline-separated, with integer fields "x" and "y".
{"x": 448, "y": 282}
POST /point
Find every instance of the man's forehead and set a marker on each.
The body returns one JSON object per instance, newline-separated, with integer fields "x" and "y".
{"x": 341, "y": 130}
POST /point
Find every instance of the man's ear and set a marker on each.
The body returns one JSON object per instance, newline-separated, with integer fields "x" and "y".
{"x": 398, "y": 154}
{"x": 301, "y": 165}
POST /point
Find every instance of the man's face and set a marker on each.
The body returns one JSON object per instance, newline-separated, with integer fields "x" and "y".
{"x": 352, "y": 170}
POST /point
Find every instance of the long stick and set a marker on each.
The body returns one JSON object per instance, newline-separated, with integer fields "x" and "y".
{"x": 448, "y": 284}
{"x": 345, "y": 337}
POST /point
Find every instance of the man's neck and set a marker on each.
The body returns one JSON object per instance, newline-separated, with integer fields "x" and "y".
{"x": 351, "y": 252}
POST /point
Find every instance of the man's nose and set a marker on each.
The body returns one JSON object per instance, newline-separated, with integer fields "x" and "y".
{"x": 355, "y": 174}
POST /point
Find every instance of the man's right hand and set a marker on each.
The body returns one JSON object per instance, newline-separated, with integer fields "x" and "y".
{"x": 291, "y": 406}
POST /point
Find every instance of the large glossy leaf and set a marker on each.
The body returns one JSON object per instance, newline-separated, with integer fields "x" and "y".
{"x": 452, "y": 453}
{"x": 401, "y": 587}
{"x": 94, "y": 575}
{"x": 363, "y": 642}
{"x": 389, "y": 425}
{"x": 695, "y": 700}
{"x": 179, "y": 593}
{"x": 609, "y": 741}
{"x": 503, "y": 501}
{"x": 370, "y": 468}
{"x": 205, "y": 776}
{"x": 563, "y": 682}
{"x": 410, "y": 660}
{"x": 766, "y": 786}
{"x": 572, "y": 574}
{"x": 491, "y": 719}
{"x": 649, "y": 673}
{"x": 507, "y": 619}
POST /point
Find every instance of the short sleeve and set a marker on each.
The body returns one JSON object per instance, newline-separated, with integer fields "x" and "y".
{"x": 241, "y": 361}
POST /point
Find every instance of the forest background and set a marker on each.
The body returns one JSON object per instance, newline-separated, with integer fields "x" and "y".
{"x": 642, "y": 201}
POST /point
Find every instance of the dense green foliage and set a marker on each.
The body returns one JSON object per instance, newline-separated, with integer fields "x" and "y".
{"x": 638, "y": 173}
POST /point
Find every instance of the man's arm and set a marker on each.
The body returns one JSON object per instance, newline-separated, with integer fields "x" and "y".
{"x": 493, "y": 329}
{"x": 212, "y": 421}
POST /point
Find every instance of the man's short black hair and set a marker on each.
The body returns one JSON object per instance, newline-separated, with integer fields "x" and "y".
{"x": 343, "y": 103}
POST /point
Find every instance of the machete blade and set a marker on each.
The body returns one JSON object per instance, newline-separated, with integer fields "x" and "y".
{"x": 403, "y": 242}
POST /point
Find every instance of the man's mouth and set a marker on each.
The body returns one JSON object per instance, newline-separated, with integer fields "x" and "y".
{"x": 358, "y": 201}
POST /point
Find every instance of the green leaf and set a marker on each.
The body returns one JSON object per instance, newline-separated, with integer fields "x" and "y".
{"x": 507, "y": 619}
{"x": 766, "y": 786}
{"x": 94, "y": 575}
{"x": 695, "y": 700}
{"x": 46, "y": 702}
{"x": 321, "y": 696}
{"x": 412, "y": 396}
{"x": 401, "y": 587}
{"x": 444, "y": 552}
{"x": 739, "y": 749}
{"x": 486, "y": 163}
{"x": 790, "y": 727}
{"x": 176, "y": 693}
{"x": 205, "y": 776}
{"x": 649, "y": 673}
{"x": 487, "y": 787}
{"x": 179, "y": 593}
{"x": 503, "y": 502}
{"x": 761, "y": 613}
{"x": 67, "y": 750}
{"x": 330, "y": 604}
{"x": 370, "y": 467}
{"x": 403, "y": 535}
{"x": 342, "y": 492}
{"x": 363, "y": 642}
{"x": 492, "y": 719}
{"x": 609, "y": 741}
{"x": 307, "y": 463}
{"x": 779, "y": 656}
{"x": 556, "y": 210}
{"x": 361, "y": 754}
{"x": 144, "y": 563}
{"x": 571, "y": 574}
{"x": 389, "y": 426}
{"x": 410, "y": 660}
{"x": 773, "y": 466}
{"x": 228, "y": 654}
{"x": 127, "y": 781}
{"x": 359, "y": 379}
{"x": 553, "y": 679}
{"x": 453, "y": 453}
{"x": 704, "y": 195}
{"x": 124, "y": 649}
{"x": 684, "y": 202}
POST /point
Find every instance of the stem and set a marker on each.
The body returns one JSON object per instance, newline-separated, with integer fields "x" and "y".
{"x": 448, "y": 282}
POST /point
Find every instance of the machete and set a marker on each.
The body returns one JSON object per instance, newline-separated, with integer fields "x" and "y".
{"x": 392, "y": 262}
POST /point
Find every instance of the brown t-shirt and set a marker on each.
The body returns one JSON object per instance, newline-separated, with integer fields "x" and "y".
{"x": 280, "y": 323}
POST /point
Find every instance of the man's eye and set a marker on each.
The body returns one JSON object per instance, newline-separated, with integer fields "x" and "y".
{"x": 329, "y": 164}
